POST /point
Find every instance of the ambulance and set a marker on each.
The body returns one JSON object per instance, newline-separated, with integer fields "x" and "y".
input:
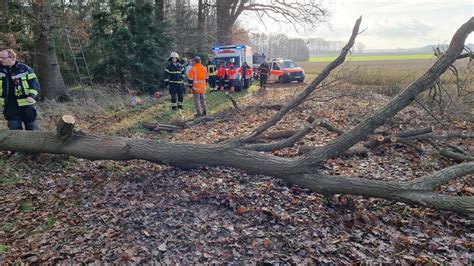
{"x": 235, "y": 54}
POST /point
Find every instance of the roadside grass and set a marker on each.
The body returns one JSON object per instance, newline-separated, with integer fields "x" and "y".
{"x": 358, "y": 57}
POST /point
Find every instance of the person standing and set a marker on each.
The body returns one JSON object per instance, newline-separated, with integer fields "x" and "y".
{"x": 174, "y": 80}
{"x": 246, "y": 72}
{"x": 212, "y": 70}
{"x": 264, "y": 71}
{"x": 19, "y": 89}
{"x": 197, "y": 79}
{"x": 221, "y": 73}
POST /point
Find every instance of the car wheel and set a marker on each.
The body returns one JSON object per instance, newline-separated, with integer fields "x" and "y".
{"x": 301, "y": 80}
{"x": 280, "y": 79}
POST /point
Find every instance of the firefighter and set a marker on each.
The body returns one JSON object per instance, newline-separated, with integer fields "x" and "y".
{"x": 221, "y": 76}
{"x": 246, "y": 72}
{"x": 19, "y": 88}
{"x": 212, "y": 70}
{"x": 197, "y": 78}
{"x": 264, "y": 71}
{"x": 174, "y": 80}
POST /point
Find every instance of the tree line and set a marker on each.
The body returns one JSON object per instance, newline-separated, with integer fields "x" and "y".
{"x": 128, "y": 42}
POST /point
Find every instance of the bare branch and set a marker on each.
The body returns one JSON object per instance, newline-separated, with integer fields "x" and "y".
{"x": 302, "y": 96}
{"x": 360, "y": 132}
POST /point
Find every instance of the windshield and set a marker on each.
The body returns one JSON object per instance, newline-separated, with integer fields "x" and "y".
{"x": 288, "y": 64}
{"x": 227, "y": 61}
{"x": 258, "y": 59}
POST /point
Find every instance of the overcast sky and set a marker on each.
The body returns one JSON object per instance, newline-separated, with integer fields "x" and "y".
{"x": 391, "y": 23}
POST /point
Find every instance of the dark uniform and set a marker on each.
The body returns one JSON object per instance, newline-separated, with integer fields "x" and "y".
{"x": 264, "y": 71}
{"x": 174, "y": 79}
{"x": 16, "y": 84}
{"x": 212, "y": 70}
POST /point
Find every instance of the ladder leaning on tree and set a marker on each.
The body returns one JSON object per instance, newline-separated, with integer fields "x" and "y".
{"x": 82, "y": 69}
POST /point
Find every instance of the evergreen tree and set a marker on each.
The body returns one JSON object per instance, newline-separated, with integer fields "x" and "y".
{"x": 130, "y": 46}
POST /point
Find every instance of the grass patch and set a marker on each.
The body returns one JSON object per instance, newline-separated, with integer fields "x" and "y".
{"x": 26, "y": 206}
{"x": 358, "y": 58}
{"x": 10, "y": 181}
{"x": 3, "y": 248}
{"x": 8, "y": 226}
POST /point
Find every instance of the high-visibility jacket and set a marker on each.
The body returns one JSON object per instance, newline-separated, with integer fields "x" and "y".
{"x": 198, "y": 77}
{"x": 221, "y": 72}
{"x": 247, "y": 71}
{"x": 16, "y": 84}
{"x": 232, "y": 73}
{"x": 211, "y": 69}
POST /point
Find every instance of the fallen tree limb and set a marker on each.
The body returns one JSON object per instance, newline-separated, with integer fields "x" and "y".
{"x": 325, "y": 124}
{"x": 275, "y": 135}
{"x": 177, "y": 125}
{"x": 161, "y": 127}
{"x": 284, "y": 143}
{"x": 403, "y": 134}
{"x": 311, "y": 87}
{"x": 353, "y": 151}
{"x": 234, "y": 102}
{"x": 402, "y": 100}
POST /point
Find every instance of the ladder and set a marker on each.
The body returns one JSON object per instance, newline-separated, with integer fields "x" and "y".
{"x": 82, "y": 69}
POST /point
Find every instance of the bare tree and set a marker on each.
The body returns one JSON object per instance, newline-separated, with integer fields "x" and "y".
{"x": 52, "y": 83}
{"x": 304, "y": 13}
{"x": 304, "y": 171}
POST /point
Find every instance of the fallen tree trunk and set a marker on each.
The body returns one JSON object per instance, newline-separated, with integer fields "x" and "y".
{"x": 190, "y": 155}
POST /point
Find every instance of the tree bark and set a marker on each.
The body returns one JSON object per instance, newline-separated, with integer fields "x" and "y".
{"x": 52, "y": 83}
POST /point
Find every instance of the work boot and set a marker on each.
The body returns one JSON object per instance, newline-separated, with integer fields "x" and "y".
{"x": 197, "y": 115}
{"x": 204, "y": 113}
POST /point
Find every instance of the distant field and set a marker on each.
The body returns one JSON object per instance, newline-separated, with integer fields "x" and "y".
{"x": 374, "y": 57}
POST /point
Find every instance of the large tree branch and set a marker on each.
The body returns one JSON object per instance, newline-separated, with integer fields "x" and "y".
{"x": 311, "y": 87}
{"x": 411, "y": 192}
{"x": 361, "y": 131}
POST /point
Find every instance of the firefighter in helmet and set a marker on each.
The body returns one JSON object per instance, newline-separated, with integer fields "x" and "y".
{"x": 174, "y": 81}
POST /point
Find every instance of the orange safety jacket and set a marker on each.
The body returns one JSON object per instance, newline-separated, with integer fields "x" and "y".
{"x": 198, "y": 76}
{"x": 232, "y": 73}
{"x": 221, "y": 72}
{"x": 248, "y": 73}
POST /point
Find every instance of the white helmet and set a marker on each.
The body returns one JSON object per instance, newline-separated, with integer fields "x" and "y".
{"x": 174, "y": 54}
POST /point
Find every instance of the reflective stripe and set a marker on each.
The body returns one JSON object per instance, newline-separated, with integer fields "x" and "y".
{"x": 24, "y": 84}
{"x": 174, "y": 104}
{"x": 2, "y": 100}
{"x": 31, "y": 76}
{"x": 176, "y": 82}
{"x": 173, "y": 72}
{"x": 25, "y": 102}
{"x": 31, "y": 91}
{"x": 20, "y": 75}
{"x": 199, "y": 82}
{"x": 2, "y": 75}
